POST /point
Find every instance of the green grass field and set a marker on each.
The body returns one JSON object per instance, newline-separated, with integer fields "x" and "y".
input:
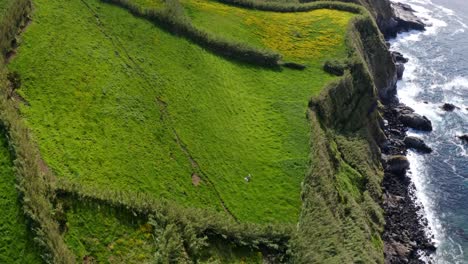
{"x": 16, "y": 245}
{"x": 115, "y": 102}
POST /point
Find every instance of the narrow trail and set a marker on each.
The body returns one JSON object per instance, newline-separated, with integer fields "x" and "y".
{"x": 195, "y": 167}
{"x": 162, "y": 106}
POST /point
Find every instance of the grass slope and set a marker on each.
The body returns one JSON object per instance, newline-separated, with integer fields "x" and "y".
{"x": 116, "y": 102}
{"x": 15, "y": 244}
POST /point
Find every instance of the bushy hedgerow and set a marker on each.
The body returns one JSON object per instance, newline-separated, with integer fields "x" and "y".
{"x": 172, "y": 19}
{"x": 203, "y": 222}
{"x": 285, "y": 7}
{"x": 335, "y": 67}
{"x": 33, "y": 180}
{"x": 11, "y": 19}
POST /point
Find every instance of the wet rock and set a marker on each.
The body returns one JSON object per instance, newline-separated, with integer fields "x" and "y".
{"x": 396, "y": 164}
{"x": 464, "y": 138}
{"x": 429, "y": 246}
{"x": 403, "y": 109}
{"x": 415, "y": 121}
{"x": 400, "y": 68}
{"x": 398, "y": 57}
{"x": 448, "y": 107}
{"x": 409, "y": 118}
{"x": 405, "y": 18}
{"x": 417, "y": 144}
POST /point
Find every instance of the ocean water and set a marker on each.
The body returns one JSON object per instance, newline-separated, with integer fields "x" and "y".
{"x": 437, "y": 73}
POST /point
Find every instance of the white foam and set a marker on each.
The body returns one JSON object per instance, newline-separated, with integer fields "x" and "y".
{"x": 410, "y": 92}
{"x": 458, "y": 82}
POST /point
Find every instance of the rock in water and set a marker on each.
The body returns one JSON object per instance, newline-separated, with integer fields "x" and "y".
{"x": 448, "y": 107}
{"x": 464, "y": 138}
{"x": 415, "y": 121}
{"x": 398, "y": 57}
{"x": 397, "y": 164}
{"x": 417, "y": 144}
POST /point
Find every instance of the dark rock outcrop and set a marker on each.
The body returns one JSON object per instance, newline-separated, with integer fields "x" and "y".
{"x": 398, "y": 57}
{"x": 464, "y": 138}
{"x": 417, "y": 144}
{"x": 448, "y": 107}
{"x": 409, "y": 118}
{"x": 416, "y": 121}
{"x": 406, "y": 19}
{"x": 393, "y": 18}
{"x": 399, "y": 61}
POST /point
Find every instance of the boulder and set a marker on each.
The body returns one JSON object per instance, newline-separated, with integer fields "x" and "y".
{"x": 415, "y": 121}
{"x": 448, "y": 107}
{"x": 403, "y": 109}
{"x": 396, "y": 164}
{"x": 417, "y": 144}
{"x": 464, "y": 138}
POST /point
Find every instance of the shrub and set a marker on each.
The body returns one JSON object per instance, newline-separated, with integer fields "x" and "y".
{"x": 335, "y": 67}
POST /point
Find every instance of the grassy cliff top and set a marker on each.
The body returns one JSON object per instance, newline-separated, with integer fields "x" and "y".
{"x": 116, "y": 102}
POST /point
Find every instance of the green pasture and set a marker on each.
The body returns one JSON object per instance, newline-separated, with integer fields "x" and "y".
{"x": 116, "y": 102}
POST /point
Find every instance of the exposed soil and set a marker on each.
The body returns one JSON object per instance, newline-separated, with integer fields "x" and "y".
{"x": 195, "y": 179}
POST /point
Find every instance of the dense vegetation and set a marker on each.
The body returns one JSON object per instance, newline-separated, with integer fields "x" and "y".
{"x": 16, "y": 245}
{"x": 148, "y": 124}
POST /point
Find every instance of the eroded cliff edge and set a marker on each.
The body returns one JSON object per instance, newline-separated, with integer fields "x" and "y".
{"x": 350, "y": 125}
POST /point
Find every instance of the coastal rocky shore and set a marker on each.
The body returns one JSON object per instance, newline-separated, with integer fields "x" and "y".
{"x": 405, "y": 237}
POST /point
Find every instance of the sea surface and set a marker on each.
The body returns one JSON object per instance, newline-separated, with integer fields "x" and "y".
{"x": 437, "y": 73}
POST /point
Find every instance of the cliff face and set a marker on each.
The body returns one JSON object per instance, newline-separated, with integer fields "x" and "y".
{"x": 342, "y": 191}
{"x": 392, "y": 17}
{"x": 383, "y": 14}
